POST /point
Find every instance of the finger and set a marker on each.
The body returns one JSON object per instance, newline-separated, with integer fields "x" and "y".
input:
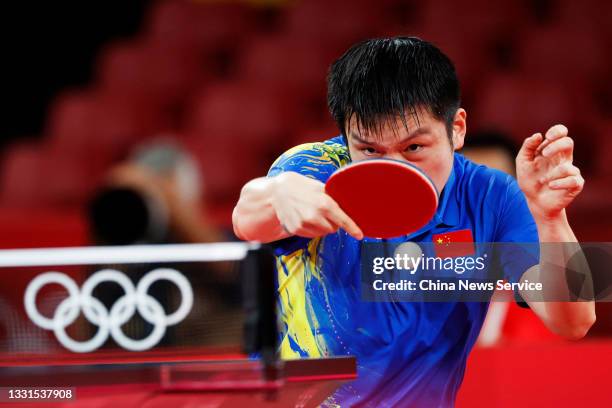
{"x": 309, "y": 225}
{"x": 556, "y": 132}
{"x": 560, "y": 171}
{"x": 567, "y": 183}
{"x": 313, "y": 229}
{"x": 288, "y": 223}
{"x": 340, "y": 218}
{"x": 318, "y": 223}
{"x": 564, "y": 146}
{"x": 545, "y": 143}
{"x": 346, "y": 223}
{"x": 529, "y": 147}
{"x": 288, "y": 231}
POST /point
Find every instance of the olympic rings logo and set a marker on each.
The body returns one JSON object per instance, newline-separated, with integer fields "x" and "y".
{"x": 109, "y": 322}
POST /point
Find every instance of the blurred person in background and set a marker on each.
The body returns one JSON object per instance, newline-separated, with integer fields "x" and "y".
{"x": 153, "y": 197}
{"x": 156, "y": 196}
{"x": 492, "y": 149}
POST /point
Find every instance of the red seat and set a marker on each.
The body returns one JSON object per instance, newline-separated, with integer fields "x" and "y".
{"x": 33, "y": 177}
{"x": 471, "y": 33}
{"x": 251, "y": 115}
{"x": 148, "y": 75}
{"x": 82, "y": 123}
{"x": 475, "y": 22}
{"x": 520, "y": 106}
{"x": 603, "y": 140}
{"x": 68, "y": 181}
{"x": 328, "y": 23}
{"x": 570, "y": 54}
{"x": 295, "y": 64}
{"x": 586, "y": 15}
{"x": 20, "y": 182}
{"x": 196, "y": 27}
{"x": 292, "y": 69}
{"x": 226, "y": 165}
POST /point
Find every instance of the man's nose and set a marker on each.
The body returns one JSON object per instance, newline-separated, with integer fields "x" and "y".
{"x": 396, "y": 156}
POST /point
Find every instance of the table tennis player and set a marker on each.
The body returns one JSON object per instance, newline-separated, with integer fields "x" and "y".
{"x": 399, "y": 98}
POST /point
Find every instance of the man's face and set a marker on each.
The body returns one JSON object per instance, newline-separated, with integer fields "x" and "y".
{"x": 424, "y": 144}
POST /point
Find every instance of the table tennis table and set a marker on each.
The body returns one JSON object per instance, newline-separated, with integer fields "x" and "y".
{"x": 188, "y": 368}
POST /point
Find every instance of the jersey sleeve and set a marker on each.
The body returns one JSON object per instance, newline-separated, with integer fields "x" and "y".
{"x": 315, "y": 160}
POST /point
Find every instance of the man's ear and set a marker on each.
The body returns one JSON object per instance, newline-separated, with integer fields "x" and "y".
{"x": 459, "y": 128}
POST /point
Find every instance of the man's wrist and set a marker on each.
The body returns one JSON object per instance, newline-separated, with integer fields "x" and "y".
{"x": 550, "y": 220}
{"x": 553, "y": 227}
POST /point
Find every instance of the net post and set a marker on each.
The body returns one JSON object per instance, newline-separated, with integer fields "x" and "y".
{"x": 259, "y": 294}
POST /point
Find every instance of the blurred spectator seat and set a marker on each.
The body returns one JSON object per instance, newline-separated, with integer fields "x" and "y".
{"x": 82, "y": 123}
{"x": 479, "y": 22}
{"x": 37, "y": 228}
{"x": 603, "y": 133}
{"x": 198, "y": 28}
{"x": 335, "y": 25}
{"x": 142, "y": 74}
{"x": 572, "y": 55}
{"x": 20, "y": 171}
{"x": 293, "y": 68}
{"x": 226, "y": 165}
{"x": 248, "y": 113}
{"x": 233, "y": 130}
{"x": 586, "y": 14}
{"x": 521, "y": 106}
{"x": 471, "y": 32}
{"x": 32, "y": 177}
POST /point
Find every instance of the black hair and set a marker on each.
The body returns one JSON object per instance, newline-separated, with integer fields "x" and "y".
{"x": 379, "y": 80}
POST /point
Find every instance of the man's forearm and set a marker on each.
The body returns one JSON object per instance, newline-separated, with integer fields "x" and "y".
{"x": 570, "y": 319}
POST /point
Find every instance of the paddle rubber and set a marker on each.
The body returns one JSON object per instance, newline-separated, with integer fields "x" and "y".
{"x": 386, "y": 198}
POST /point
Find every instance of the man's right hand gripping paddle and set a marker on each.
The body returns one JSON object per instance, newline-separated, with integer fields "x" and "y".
{"x": 307, "y": 211}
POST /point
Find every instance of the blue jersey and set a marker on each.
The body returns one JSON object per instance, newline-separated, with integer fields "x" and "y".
{"x": 408, "y": 353}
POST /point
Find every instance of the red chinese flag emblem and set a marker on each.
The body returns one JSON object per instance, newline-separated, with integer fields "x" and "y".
{"x": 454, "y": 244}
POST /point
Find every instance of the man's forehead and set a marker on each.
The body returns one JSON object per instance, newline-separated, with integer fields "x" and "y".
{"x": 390, "y": 130}
{"x": 388, "y": 135}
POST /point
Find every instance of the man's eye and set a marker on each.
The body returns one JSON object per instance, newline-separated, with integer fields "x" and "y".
{"x": 369, "y": 150}
{"x": 414, "y": 148}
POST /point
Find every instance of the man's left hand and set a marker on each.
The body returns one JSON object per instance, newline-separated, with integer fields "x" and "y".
{"x": 546, "y": 174}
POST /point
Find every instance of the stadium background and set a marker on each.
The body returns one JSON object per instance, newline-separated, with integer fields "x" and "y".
{"x": 237, "y": 83}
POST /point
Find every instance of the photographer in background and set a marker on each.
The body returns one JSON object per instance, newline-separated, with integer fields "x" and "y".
{"x": 156, "y": 197}
{"x": 153, "y": 197}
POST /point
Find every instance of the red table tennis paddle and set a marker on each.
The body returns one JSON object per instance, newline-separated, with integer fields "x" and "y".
{"x": 386, "y": 198}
